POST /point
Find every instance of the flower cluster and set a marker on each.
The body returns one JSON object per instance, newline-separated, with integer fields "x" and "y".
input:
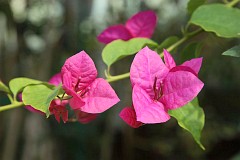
{"x": 159, "y": 87}
{"x": 89, "y": 95}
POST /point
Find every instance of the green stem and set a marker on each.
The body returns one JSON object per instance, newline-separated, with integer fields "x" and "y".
{"x": 169, "y": 49}
{"x": 11, "y": 106}
{"x": 232, "y": 3}
{"x": 118, "y": 77}
{"x": 186, "y": 37}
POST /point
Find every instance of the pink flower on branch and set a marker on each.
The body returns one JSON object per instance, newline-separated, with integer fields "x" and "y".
{"x": 159, "y": 87}
{"x": 59, "y": 111}
{"x": 141, "y": 24}
{"x": 89, "y": 93}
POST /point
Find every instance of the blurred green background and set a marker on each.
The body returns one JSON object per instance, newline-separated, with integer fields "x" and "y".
{"x": 36, "y": 36}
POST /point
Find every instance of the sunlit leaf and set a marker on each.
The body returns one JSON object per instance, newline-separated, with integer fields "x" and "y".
{"x": 119, "y": 49}
{"x": 40, "y": 96}
{"x": 17, "y": 84}
{"x": 218, "y": 18}
{"x": 234, "y": 52}
{"x": 191, "y": 117}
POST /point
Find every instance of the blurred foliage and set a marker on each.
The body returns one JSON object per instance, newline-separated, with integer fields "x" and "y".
{"x": 36, "y": 36}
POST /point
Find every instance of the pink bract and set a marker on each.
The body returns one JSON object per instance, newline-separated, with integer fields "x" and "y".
{"x": 114, "y": 32}
{"x": 129, "y": 116}
{"x": 159, "y": 87}
{"x": 59, "y": 111}
{"x": 89, "y": 94}
{"x": 141, "y": 24}
{"x": 148, "y": 110}
{"x": 56, "y": 79}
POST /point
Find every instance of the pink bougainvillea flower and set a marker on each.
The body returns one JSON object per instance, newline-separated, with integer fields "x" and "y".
{"x": 56, "y": 79}
{"x": 59, "y": 111}
{"x": 141, "y": 24}
{"x": 159, "y": 87}
{"x": 89, "y": 93}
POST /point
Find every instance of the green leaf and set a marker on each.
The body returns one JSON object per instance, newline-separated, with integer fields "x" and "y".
{"x": 119, "y": 49}
{"x": 4, "y": 88}
{"x": 167, "y": 43}
{"x": 191, "y": 117}
{"x": 218, "y": 18}
{"x": 191, "y": 51}
{"x": 194, "y": 4}
{"x": 234, "y": 52}
{"x": 17, "y": 84}
{"x": 40, "y": 96}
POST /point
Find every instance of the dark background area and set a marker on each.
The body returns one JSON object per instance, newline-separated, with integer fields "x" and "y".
{"x": 36, "y": 36}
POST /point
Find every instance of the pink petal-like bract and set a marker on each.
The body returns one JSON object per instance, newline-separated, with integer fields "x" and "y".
{"x": 84, "y": 117}
{"x": 56, "y": 79}
{"x": 76, "y": 101}
{"x": 147, "y": 67}
{"x": 179, "y": 88}
{"x": 129, "y": 116}
{"x": 148, "y": 110}
{"x": 78, "y": 72}
{"x": 168, "y": 59}
{"x": 194, "y": 64}
{"x": 99, "y": 97}
{"x": 59, "y": 111}
{"x": 89, "y": 94}
{"x": 142, "y": 24}
{"x": 113, "y": 33}
{"x": 183, "y": 68}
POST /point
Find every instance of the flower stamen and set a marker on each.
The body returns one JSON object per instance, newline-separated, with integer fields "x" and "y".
{"x": 76, "y": 86}
{"x": 157, "y": 90}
